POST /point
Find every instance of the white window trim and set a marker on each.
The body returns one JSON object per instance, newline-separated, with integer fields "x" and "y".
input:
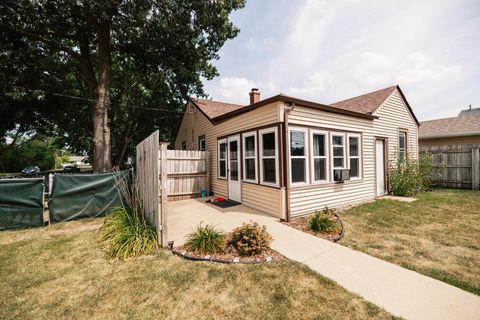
{"x": 326, "y": 157}
{"x": 260, "y": 133}
{"x": 305, "y": 157}
{"x": 405, "y": 144}
{"x": 359, "y": 157}
{"x": 218, "y": 158}
{"x": 244, "y": 136}
{"x": 339, "y": 134}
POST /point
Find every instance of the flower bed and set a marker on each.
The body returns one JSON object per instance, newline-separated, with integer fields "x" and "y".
{"x": 302, "y": 223}
{"x": 231, "y": 256}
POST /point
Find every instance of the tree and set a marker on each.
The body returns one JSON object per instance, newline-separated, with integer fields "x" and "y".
{"x": 127, "y": 55}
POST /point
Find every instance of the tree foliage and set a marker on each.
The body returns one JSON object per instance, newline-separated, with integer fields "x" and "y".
{"x": 131, "y": 61}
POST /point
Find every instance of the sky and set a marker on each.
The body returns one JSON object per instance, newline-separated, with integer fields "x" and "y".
{"x": 326, "y": 51}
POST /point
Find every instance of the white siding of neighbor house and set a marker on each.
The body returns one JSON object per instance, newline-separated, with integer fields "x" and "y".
{"x": 266, "y": 199}
{"x": 393, "y": 115}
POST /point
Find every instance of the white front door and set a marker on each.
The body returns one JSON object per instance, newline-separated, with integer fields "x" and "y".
{"x": 234, "y": 184}
{"x": 380, "y": 167}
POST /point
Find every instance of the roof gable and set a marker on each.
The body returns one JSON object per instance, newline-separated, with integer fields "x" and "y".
{"x": 365, "y": 103}
{"x": 212, "y": 109}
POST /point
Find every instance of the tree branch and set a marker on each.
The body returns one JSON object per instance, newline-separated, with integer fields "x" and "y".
{"x": 37, "y": 37}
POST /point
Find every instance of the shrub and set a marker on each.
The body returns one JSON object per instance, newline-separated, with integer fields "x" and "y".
{"x": 409, "y": 177}
{"x": 250, "y": 239}
{"x": 126, "y": 233}
{"x": 321, "y": 221}
{"x": 205, "y": 240}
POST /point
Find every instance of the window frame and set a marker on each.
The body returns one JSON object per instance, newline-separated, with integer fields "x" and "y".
{"x": 305, "y": 156}
{"x": 326, "y": 156}
{"x": 344, "y": 156}
{"x": 405, "y": 148}
{"x": 261, "y": 156}
{"x": 359, "y": 157}
{"x": 200, "y": 139}
{"x": 184, "y": 145}
{"x": 244, "y": 157}
{"x": 219, "y": 142}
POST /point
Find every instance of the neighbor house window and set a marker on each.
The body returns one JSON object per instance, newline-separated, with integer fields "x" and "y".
{"x": 319, "y": 156}
{"x": 338, "y": 147}
{"x": 402, "y": 146}
{"x": 184, "y": 145}
{"x": 354, "y": 155}
{"x": 298, "y": 156}
{"x": 201, "y": 143}
{"x": 250, "y": 157}
{"x": 268, "y": 156}
{"x": 222, "y": 158}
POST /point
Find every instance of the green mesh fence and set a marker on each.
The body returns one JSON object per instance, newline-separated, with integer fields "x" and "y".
{"x": 21, "y": 203}
{"x": 84, "y": 195}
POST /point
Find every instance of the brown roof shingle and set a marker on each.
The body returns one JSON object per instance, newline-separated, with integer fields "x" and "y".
{"x": 366, "y": 103}
{"x": 450, "y": 127}
{"x": 214, "y": 109}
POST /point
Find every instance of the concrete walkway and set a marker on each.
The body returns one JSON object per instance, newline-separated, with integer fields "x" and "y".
{"x": 400, "y": 291}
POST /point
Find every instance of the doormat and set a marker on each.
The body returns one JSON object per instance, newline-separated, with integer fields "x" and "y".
{"x": 226, "y": 203}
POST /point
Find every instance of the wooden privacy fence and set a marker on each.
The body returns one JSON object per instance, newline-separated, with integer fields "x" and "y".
{"x": 164, "y": 175}
{"x": 455, "y": 166}
{"x": 187, "y": 173}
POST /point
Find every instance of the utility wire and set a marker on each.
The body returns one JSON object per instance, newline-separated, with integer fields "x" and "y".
{"x": 86, "y": 99}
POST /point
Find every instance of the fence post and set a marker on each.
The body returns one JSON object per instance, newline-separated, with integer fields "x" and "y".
{"x": 207, "y": 171}
{"x": 475, "y": 168}
{"x": 163, "y": 192}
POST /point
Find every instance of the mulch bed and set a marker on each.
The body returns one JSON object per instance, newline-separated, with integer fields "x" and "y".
{"x": 301, "y": 223}
{"x": 231, "y": 256}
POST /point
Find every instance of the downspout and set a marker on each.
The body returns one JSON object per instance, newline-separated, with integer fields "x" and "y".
{"x": 286, "y": 158}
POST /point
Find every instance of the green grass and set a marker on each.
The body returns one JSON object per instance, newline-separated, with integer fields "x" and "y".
{"x": 62, "y": 272}
{"x": 438, "y": 235}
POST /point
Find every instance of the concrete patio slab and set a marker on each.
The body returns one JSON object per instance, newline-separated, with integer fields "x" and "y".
{"x": 400, "y": 291}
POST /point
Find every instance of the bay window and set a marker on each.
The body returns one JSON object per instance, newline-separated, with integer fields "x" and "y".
{"x": 319, "y": 156}
{"x": 222, "y": 158}
{"x": 354, "y": 155}
{"x": 268, "y": 156}
{"x": 250, "y": 157}
{"x": 298, "y": 156}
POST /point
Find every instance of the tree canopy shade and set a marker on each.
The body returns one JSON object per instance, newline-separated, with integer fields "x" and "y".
{"x": 132, "y": 63}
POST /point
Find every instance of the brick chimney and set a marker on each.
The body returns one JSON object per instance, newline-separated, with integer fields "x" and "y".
{"x": 254, "y": 96}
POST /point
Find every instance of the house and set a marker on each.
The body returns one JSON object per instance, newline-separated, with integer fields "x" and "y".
{"x": 463, "y": 129}
{"x": 287, "y": 157}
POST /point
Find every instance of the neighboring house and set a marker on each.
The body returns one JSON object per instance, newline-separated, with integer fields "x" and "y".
{"x": 286, "y": 156}
{"x": 461, "y": 130}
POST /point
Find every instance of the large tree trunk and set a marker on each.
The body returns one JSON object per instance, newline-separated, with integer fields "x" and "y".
{"x": 101, "y": 130}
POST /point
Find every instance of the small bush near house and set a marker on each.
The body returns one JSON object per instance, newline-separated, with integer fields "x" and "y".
{"x": 409, "y": 177}
{"x": 205, "y": 240}
{"x": 322, "y": 221}
{"x": 126, "y": 234}
{"x": 250, "y": 239}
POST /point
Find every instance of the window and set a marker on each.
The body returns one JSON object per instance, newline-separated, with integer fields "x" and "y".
{"x": 402, "y": 146}
{"x": 250, "y": 157}
{"x": 338, "y": 147}
{"x": 268, "y": 156}
{"x": 319, "y": 156}
{"x": 354, "y": 155}
{"x": 201, "y": 143}
{"x": 222, "y": 158}
{"x": 298, "y": 156}
{"x": 184, "y": 145}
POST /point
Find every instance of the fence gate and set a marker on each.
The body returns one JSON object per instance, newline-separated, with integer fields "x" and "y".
{"x": 454, "y": 166}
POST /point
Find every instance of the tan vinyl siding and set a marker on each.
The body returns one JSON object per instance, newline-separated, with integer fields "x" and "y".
{"x": 393, "y": 114}
{"x": 265, "y": 199}
{"x": 194, "y": 124}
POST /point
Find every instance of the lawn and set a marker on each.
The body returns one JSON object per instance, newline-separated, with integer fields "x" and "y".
{"x": 438, "y": 235}
{"x": 61, "y": 272}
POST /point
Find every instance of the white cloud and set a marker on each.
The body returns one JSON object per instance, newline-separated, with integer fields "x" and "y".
{"x": 234, "y": 89}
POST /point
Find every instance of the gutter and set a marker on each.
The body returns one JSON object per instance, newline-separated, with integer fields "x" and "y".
{"x": 286, "y": 158}
{"x": 450, "y": 135}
